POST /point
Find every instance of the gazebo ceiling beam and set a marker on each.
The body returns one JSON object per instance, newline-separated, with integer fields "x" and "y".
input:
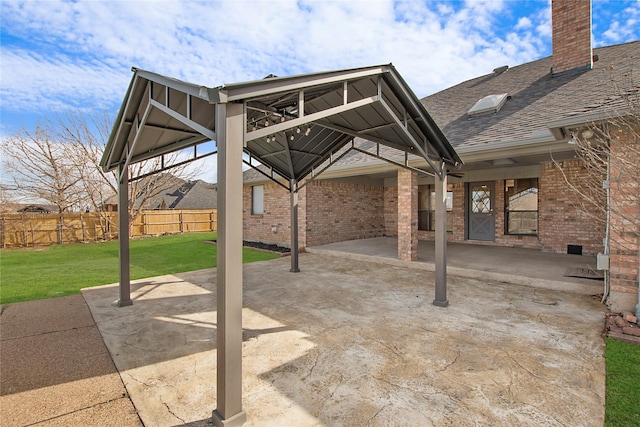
{"x": 172, "y": 129}
{"x": 363, "y": 135}
{"x": 184, "y": 120}
{"x": 402, "y": 124}
{"x": 137, "y": 126}
{"x": 286, "y": 125}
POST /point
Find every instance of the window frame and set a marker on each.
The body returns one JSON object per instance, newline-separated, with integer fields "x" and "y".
{"x": 257, "y": 196}
{"x": 430, "y": 212}
{"x": 508, "y": 212}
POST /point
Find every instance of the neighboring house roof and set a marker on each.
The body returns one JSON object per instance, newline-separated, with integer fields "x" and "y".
{"x": 186, "y": 195}
{"x": 180, "y": 195}
{"x": 37, "y": 209}
{"x": 195, "y": 195}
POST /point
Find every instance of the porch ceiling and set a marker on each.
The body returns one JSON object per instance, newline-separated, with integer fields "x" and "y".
{"x": 292, "y": 124}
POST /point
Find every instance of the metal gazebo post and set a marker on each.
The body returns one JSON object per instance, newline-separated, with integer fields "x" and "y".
{"x": 294, "y": 225}
{"x": 441, "y": 237}
{"x": 230, "y": 121}
{"x": 123, "y": 236}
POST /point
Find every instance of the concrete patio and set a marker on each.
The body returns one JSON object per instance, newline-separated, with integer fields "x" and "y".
{"x": 511, "y": 265}
{"x": 351, "y": 342}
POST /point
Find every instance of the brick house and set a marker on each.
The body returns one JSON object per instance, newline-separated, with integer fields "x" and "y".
{"x": 511, "y": 128}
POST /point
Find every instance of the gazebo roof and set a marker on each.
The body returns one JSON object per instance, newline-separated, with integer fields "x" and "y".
{"x": 292, "y": 124}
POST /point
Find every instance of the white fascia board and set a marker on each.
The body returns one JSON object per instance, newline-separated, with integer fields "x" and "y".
{"x": 364, "y": 168}
{"x": 544, "y": 142}
{"x": 192, "y": 89}
{"x": 586, "y": 118}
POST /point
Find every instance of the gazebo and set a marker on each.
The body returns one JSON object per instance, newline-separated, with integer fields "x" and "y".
{"x": 294, "y": 127}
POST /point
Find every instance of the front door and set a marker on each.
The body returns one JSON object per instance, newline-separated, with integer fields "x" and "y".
{"x": 480, "y": 204}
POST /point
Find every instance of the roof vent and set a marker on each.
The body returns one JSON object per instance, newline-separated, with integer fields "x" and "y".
{"x": 500, "y": 70}
{"x": 488, "y": 104}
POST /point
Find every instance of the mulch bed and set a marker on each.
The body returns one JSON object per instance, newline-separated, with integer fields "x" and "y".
{"x": 266, "y": 247}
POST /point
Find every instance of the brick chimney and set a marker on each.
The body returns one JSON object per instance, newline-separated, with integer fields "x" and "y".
{"x": 571, "y": 24}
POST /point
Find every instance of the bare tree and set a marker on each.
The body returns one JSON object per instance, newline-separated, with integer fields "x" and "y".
{"x": 80, "y": 139}
{"x": 609, "y": 190}
{"x": 40, "y": 168}
{"x": 60, "y": 163}
{"x": 7, "y": 201}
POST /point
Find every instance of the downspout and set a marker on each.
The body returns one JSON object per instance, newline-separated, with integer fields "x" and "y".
{"x": 638, "y": 304}
{"x": 607, "y": 272}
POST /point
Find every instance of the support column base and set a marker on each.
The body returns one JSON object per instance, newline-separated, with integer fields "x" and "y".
{"x": 438, "y": 303}
{"x": 235, "y": 421}
{"x": 124, "y": 303}
{"x": 294, "y": 270}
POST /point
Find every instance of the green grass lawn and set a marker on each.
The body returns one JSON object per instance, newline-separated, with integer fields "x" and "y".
{"x": 54, "y": 271}
{"x": 623, "y": 383}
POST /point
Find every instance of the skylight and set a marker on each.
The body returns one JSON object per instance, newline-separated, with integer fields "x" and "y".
{"x": 488, "y": 104}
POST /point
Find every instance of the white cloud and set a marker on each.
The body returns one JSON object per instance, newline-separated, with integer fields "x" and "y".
{"x": 622, "y": 27}
{"x": 79, "y": 54}
{"x": 36, "y": 82}
{"x": 523, "y": 23}
{"x": 93, "y": 44}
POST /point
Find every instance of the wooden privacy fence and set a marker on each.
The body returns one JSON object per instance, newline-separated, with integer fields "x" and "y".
{"x": 25, "y": 230}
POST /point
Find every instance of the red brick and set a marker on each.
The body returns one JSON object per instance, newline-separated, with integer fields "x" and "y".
{"x": 630, "y": 330}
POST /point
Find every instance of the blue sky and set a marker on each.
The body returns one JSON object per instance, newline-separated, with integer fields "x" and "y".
{"x": 78, "y": 55}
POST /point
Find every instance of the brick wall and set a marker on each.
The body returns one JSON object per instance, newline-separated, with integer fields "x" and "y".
{"x": 407, "y": 215}
{"x": 340, "y": 211}
{"x": 327, "y": 212}
{"x": 624, "y": 219}
{"x": 391, "y": 211}
{"x": 571, "y": 27}
{"x": 560, "y": 222}
{"x": 458, "y": 214}
{"x": 258, "y": 228}
{"x": 330, "y": 212}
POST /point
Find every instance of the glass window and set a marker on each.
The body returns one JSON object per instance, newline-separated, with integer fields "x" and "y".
{"x": 521, "y": 206}
{"x": 257, "y": 200}
{"x": 427, "y": 207}
{"x": 481, "y": 199}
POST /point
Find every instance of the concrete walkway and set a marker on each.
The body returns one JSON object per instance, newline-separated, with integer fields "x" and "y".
{"x": 55, "y": 369}
{"x": 353, "y": 343}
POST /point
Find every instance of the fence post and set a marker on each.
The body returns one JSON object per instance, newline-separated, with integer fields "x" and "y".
{"x": 4, "y": 231}
{"x": 181, "y": 221}
{"x": 26, "y": 231}
{"x": 60, "y": 240}
{"x": 84, "y": 235}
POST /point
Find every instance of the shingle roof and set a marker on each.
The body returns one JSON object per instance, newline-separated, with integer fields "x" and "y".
{"x": 180, "y": 194}
{"x": 537, "y": 97}
{"x": 195, "y": 195}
